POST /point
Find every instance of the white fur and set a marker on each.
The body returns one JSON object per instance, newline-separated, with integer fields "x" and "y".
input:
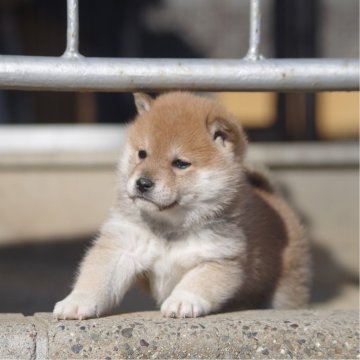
{"x": 176, "y": 258}
{"x": 134, "y": 250}
{"x": 113, "y": 273}
{"x": 202, "y": 205}
{"x": 78, "y": 306}
{"x": 183, "y": 304}
{"x": 124, "y": 162}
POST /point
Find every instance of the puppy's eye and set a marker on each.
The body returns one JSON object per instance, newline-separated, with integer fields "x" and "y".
{"x": 142, "y": 154}
{"x": 180, "y": 164}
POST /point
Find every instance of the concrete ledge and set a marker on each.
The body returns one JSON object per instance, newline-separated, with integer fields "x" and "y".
{"x": 45, "y": 147}
{"x": 304, "y": 334}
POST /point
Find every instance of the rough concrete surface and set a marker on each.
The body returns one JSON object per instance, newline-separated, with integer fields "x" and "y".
{"x": 260, "y": 334}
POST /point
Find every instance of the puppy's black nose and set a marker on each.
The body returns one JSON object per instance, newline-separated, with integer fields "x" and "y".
{"x": 144, "y": 184}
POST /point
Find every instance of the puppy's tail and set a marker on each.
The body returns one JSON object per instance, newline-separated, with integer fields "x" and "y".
{"x": 259, "y": 178}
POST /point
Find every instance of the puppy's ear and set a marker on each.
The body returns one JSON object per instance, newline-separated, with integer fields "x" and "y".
{"x": 228, "y": 135}
{"x": 143, "y": 102}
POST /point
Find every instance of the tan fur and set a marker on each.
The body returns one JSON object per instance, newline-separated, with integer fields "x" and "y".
{"x": 213, "y": 235}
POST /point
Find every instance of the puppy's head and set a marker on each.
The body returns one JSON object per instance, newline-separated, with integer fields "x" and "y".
{"x": 183, "y": 156}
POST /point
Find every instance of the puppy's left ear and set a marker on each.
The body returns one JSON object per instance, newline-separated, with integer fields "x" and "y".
{"x": 143, "y": 102}
{"x": 228, "y": 135}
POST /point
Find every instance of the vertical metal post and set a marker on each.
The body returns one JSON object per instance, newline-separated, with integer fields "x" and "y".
{"x": 72, "y": 35}
{"x": 254, "y": 38}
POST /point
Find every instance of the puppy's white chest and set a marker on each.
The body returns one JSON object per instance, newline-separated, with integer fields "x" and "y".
{"x": 167, "y": 270}
{"x": 175, "y": 258}
{"x": 163, "y": 279}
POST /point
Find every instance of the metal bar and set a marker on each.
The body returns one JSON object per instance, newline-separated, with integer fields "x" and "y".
{"x": 104, "y": 74}
{"x": 255, "y": 31}
{"x": 72, "y": 34}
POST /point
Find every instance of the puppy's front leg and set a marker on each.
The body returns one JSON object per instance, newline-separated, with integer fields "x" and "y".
{"x": 105, "y": 275}
{"x": 203, "y": 290}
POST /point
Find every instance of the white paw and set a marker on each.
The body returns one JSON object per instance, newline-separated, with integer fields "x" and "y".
{"x": 76, "y": 306}
{"x": 182, "y": 304}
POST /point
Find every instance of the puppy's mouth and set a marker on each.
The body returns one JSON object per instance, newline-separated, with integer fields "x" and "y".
{"x": 159, "y": 206}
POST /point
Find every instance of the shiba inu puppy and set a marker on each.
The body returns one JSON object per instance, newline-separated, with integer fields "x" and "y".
{"x": 192, "y": 221}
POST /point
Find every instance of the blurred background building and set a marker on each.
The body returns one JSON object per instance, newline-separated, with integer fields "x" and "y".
{"x": 41, "y": 205}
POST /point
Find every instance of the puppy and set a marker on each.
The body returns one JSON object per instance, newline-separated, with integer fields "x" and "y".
{"x": 204, "y": 232}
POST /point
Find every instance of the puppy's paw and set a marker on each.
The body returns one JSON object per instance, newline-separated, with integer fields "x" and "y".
{"x": 182, "y": 304}
{"x": 76, "y": 306}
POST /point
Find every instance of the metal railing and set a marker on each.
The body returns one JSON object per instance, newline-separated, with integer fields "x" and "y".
{"x": 73, "y": 72}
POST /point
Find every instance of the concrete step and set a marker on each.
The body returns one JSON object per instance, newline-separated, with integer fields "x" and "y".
{"x": 258, "y": 334}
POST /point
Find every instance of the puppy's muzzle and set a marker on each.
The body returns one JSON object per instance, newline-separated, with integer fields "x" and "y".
{"x": 144, "y": 184}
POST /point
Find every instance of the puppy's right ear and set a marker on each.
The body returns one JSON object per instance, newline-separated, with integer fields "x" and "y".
{"x": 143, "y": 102}
{"x": 227, "y": 134}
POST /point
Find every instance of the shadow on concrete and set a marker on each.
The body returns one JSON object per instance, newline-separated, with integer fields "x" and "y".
{"x": 34, "y": 277}
{"x": 329, "y": 277}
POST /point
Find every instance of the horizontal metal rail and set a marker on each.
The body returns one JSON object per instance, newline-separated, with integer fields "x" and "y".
{"x": 72, "y": 73}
